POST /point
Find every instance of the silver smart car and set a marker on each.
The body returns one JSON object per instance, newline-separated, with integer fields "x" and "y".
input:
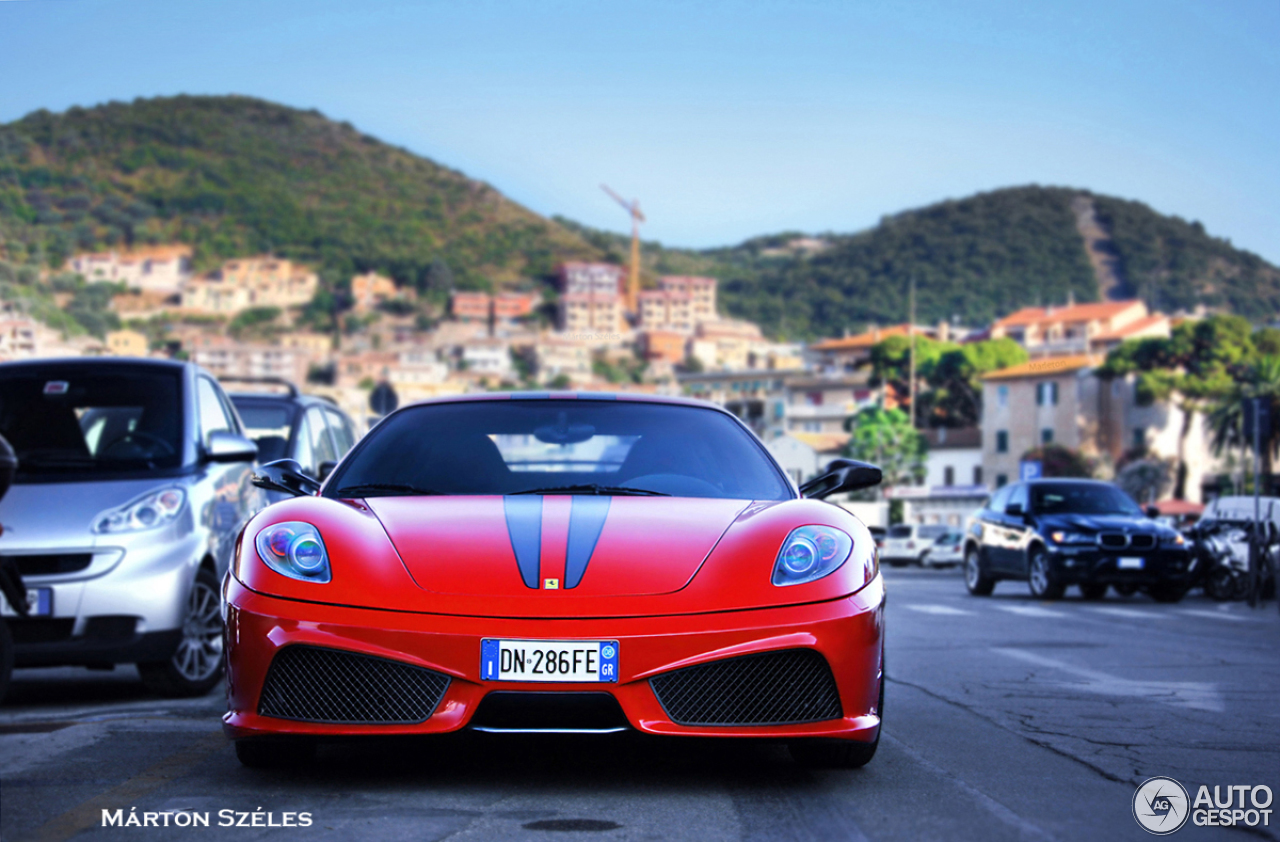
{"x": 133, "y": 482}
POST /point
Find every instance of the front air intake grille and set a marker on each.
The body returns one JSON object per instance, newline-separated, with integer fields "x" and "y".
{"x": 327, "y": 685}
{"x": 51, "y": 564}
{"x": 772, "y": 688}
{"x": 1142, "y": 542}
{"x": 1113, "y": 540}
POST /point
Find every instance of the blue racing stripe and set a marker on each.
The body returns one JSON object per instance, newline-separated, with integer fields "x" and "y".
{"x": 524, "y": 526}
{"x": 586, "y": 522}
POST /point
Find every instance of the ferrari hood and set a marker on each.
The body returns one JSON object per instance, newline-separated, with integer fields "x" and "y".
{"x": 590, "y": 545}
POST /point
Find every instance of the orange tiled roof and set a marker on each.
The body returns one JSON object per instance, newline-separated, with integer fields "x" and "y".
{"x": 1073, "y": 313}
{"x": 1130, "y": 329}
{"x": 862, "y": 340}
{"x": 1043, "y": 367}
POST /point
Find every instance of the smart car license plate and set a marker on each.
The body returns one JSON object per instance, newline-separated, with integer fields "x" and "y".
{"x": 1129, "y": 563}
{"x": 549, "y": 660}
{"x": 39, "y": 603}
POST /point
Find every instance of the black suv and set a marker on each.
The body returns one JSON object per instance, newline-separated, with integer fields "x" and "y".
{"x": 1058, "y": 532}
{"x": 288, "y": 425}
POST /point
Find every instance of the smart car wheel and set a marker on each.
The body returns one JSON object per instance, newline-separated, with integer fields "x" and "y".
{"x": 975, "y": 578}
{"x": 196, "y": 665}
{"x": 1041, "y": 579}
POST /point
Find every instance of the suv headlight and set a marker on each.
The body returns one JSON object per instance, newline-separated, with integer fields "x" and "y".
{"x": 809, "y": 553}
{"x": 1061, "y": 537}
{"x": 294, "y": 549}
{"x": 150, "y": 511}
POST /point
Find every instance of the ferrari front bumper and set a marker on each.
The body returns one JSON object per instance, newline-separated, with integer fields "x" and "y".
{"x": 847, "y": 633}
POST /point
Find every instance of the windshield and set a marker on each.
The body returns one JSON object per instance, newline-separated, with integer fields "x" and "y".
{"x": 91, "y": 422}
{"x": 1081, "y": 498}
{"x": 899, "y": 531}
{"x": 268, "y": 424}
{"x": 538, "y": 446}
{"x": 933, "y": 531}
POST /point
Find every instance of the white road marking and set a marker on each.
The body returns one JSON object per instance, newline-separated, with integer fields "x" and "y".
{"x": 1132, "y": 613}
{"x": 1198, "y": 695}
{"x": 945, "y": 610}
{"x": 1029, "y": 611}
{"x": 1215, "y": 615}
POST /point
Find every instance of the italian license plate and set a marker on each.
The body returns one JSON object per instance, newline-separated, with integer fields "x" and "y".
{"x": 1129, "y": 563}
{"x": 39, "y": 603}
{"x": 549, "y": 660}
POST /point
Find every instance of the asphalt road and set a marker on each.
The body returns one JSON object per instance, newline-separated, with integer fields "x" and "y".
{"x": 1006, "y": 718}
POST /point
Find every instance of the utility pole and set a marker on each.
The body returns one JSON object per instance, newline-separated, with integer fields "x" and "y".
{"x": 911, "y": 334}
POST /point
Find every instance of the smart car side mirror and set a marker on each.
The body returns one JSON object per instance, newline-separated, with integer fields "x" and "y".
{"x": 842, "y": 475}
{"x": 226, "y": 446}
{"x": 285, "y": 475}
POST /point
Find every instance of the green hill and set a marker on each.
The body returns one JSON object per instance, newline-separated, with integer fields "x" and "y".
{"x": 236, "y": 176}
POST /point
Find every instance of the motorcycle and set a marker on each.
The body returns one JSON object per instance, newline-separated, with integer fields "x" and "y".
{"x": 1224, "y": 547}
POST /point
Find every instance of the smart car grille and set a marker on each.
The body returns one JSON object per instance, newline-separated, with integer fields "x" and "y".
{"x": 328, "y": 685}
{"x": 50, "y": 565}
{"x": 772, "y": 688}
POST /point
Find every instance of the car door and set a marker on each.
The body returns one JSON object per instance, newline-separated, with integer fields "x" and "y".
{"x": 990, "y": 522}
{"x": 1018, "y": 531}
{"x": 232, "y": 499}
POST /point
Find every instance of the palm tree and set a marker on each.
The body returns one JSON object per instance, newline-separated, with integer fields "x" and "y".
{"x": 1226, "y": 418}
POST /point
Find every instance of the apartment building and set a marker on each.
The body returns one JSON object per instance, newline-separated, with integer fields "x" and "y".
{"x": 701, "y": 294}
{"x": 250, "y": 282}
{"x": 666, "y": 310}
{"x": 471, "y": 306}
{"x": 554, "y": 356}
{"x": 369, "y": 289}
{"x": 19, "y": 339}
{"x": 162, "y": 269}
{"x": 508, "y": 306}
{"x": 226, "y": 358}
{"x": 1076, "y": 329}
{"x": 663, "y": 346}
{"x": 853, "y": 352}
{"x": 725, "y": 344}
{"x": 601, "y": 279}
{"x": 586, "y": 314}
{"x": 127, "y": 343}
{"x": 822, "y": 404}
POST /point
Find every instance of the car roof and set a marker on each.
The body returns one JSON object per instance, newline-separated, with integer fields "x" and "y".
{"x": 621, "y": 397}
{"x": 291, "y": 400}
{"x": 96, "y": 362}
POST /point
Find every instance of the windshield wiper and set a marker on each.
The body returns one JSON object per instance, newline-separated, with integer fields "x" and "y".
{"x": 362, "y": 489}
{"x": 600, "y": 490}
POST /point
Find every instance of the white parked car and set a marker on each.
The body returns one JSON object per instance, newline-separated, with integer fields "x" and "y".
{"x": 906, "y": 543}
{"x": 946, "y": 551}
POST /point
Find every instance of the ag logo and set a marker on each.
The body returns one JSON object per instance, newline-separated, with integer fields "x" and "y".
{"x": 1161, "y": 806}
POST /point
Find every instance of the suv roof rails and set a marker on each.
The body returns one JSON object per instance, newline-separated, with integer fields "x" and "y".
{"x": 269, "y": 381}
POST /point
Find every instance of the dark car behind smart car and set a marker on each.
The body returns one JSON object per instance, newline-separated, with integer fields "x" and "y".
{"x": 1056, "y": 533}
{"x": 286, "y": 424}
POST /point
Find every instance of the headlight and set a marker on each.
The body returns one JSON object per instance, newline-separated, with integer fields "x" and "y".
{"x": 1176, "y": 539}
{"x": 295, "y": 550}
{"x": 1060, "y": 537}
{"x": 809, "y": 553}
{"x": 150, "y": 511}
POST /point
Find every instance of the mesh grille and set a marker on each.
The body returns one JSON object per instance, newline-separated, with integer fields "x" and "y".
{"x": 327, "y": 685}
{"x": 772, "y": 688}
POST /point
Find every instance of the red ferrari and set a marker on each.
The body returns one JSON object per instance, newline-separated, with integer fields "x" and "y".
{"x": 557, "y": 563}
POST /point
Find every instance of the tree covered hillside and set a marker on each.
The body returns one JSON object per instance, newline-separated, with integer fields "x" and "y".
{"x": 238, "y": 176}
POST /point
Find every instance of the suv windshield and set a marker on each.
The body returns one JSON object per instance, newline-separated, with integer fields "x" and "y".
{"x": 545, "y": 446}
{"x": 82, "y": 422}
{"x": 1081, "y": 498}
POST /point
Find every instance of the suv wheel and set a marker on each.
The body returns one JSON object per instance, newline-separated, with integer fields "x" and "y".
{"x": 1040, "y": 579}
{"x": 196, "y": 666}
{"x": 975, "y": 578}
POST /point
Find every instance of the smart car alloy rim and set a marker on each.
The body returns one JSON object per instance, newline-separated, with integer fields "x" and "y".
{"x": 200, "y": 651}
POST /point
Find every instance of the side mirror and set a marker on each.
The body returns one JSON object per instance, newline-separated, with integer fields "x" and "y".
{"x": 285, "y": 475}
{"x": 1152, "y": 511}
{"x": 326, "y": 468}
{"x": 842, "y": 475}
{"x": 226, "y": 446}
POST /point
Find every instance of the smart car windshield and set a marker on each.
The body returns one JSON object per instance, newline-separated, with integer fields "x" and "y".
{"x": 559, "y": 446}
{"x": 1081, "y": 498}
{"x": 90, "y": 423}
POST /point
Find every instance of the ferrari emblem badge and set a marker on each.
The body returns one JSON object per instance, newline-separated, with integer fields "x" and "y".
{"x": 551, "y": 584}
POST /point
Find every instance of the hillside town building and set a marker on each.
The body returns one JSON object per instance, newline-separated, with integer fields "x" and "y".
{"x": 1080, "y": 328}
{"x": 250, "y": 282}
{"x": 162, "y": 269}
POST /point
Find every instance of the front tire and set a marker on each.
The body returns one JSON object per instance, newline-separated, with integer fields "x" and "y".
{"x": 196, "y": 666}
{"x": 1040, "y": 578}
{"x": 975, "y": 577}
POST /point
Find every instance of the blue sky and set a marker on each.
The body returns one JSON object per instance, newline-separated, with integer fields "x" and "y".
{"x": 727, "y": 119}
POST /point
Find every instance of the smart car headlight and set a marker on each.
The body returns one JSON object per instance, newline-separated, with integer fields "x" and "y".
{"x": 809, "y": 553}
{"x": 150, "y": 511}
{"x": 294, "y": 549}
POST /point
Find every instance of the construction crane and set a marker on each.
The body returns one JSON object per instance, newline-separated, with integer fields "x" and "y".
{"x": 633, "y": 281}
